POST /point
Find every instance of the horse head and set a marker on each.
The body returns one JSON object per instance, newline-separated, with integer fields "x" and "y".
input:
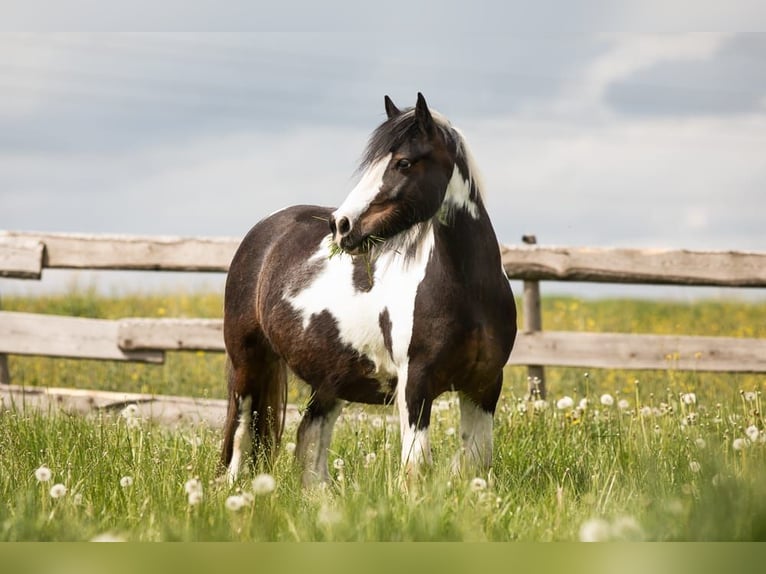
{"x": 405, "y": 172}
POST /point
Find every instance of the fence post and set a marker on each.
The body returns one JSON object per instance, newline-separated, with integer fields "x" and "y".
{"x": 5, "y": 374}
{"x": 533, "y": 321}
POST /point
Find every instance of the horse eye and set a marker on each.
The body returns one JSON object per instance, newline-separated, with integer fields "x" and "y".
{"x": 404, "y": 163}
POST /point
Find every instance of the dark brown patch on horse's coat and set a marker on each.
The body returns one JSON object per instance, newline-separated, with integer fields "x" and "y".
{"x": 384, "y": 320}
{"x": 364, "y": 272}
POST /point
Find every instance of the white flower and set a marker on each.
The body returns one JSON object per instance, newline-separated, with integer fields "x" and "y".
{"x": 77, "y": 499}
{"x": 338, "y": 464}
{"x": 195, "y": 497}
{"x": 370, "y": 458}
{"x": 521, "y": 407}
{"x": 623, "y": 404}
{"x": 752, "y": 433}
{"x": 750, "y": 396}
{"x": 565, "y": 403}
{"x": 43, "y": 474}
{"x": 688, "y": 398}
{"x": 645, "y": 411}
{"x": 58, "y": 490}
{"x": 694, "y": 466}
{"x": 235, "y": 502}
{"x": 583, "y": 404}
{"x": 107, "y": 537}
{"x": 450, "y": 431}
{"x": 264, "y": 484}
{"x": 540, "y": 405}
{"x": 739, "y": 443}
{"x": 607, "y": 400}
{"x": 594, "y": 530}
{"x": 478, "y": 484}
{"x": 129, "y": 412}
{"x": 193, "y": 485}
{"x": 126, "y": 481}
{"x": 290, "y": 447}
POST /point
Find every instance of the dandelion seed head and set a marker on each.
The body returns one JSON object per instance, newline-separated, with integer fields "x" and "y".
{"x": 129, "y": 412}
{"x": 752, "y": 433}
{"x": 565, "y": 403}
{"x": 583, "y": 404}
{"x": 623, "y": 404}
{"x": 694, "y": 466}
{"x": 700, "y": 442}
{"x": 370, "y": 459}
{"x": 450, "y": 431}
{"x": 540, "y": 405}
{"x": 290, "y": 447}
{"x": 594, "y": 530}
{"x": 607, "y": 400}
{"x": 645, "y": 411}
{"x": 338, "y": 464}
{"x": 521, "y": 407}
{"x": 58, "y": 490}
{"x": 43, "y": 474}
{"x": 126, "y": 481}
{"x": 264, "y": 483}
{"x": 478, "y": 484}
{"x": 193, "y": 485}
{"x": 235, "y": 502}
{"x": 689, "y": 398}
{"x": 749, "y": 396}
{"x": 195, "y": 497}
{"x": 739, "y": 443}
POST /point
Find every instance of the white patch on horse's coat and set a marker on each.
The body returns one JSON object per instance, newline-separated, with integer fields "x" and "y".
{"x": 357, "y": 314}
{"x": 242, "y": 438}
{"x": 357, "y": 202}
{"x": 458, "y": 196}
{"x": 476, "y": 432}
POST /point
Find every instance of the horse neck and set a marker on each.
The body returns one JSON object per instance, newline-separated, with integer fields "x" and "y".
{"x": 463, "y": 225}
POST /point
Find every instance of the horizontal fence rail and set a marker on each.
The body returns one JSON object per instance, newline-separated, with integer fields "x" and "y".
{"x": 147, "y": 340}
{"x": 25, "y": 255}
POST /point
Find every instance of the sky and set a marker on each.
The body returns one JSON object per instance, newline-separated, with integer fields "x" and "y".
{"x": 608, "y": 140}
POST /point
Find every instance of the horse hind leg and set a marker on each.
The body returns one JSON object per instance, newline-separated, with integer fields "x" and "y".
{"x": 476, "y": 430}
{"x": 313, "y": 441}
{"x": 256, "y": 408}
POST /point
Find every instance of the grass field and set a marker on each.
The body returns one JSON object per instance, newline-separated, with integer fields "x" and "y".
{"x": 664, "y": 456}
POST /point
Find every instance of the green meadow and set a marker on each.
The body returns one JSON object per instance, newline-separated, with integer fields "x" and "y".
{"x": 610, "y": 455}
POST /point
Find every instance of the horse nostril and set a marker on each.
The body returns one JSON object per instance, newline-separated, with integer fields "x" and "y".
{"x": 344, "y": 226}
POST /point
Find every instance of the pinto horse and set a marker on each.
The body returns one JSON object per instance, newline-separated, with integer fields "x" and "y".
{"x": 398, "y": 295}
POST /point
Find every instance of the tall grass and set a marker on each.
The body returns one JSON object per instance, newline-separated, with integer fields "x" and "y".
{"x": 668, "y": 470}
{"x": 666, "y": 456}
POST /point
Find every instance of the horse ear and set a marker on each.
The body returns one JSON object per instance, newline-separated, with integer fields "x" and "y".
{"x": 423, "y": 115}
{"x": 391, "y": 110}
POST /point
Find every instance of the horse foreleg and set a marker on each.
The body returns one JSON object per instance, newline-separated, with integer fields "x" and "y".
{"x": 314, "y": 436}
{"x": 414, "y": 405}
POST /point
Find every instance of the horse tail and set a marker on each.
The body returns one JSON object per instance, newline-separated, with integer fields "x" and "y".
{"x": 255, "y": 420}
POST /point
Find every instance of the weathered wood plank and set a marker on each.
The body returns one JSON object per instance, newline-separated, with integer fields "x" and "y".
{"x": 649, "y": 266}
{"x": 21, "y": 257}
{"x": 78, "y": 251}
{"x": 59, "y": 336}
{"x": 171, "y": 334}
{"x": 630, "y": 351}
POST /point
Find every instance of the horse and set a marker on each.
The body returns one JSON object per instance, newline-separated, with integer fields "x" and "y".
{"x": 396, "y": 296}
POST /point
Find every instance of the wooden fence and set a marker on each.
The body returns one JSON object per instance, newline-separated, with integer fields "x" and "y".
{"x": 25, "y": 255}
